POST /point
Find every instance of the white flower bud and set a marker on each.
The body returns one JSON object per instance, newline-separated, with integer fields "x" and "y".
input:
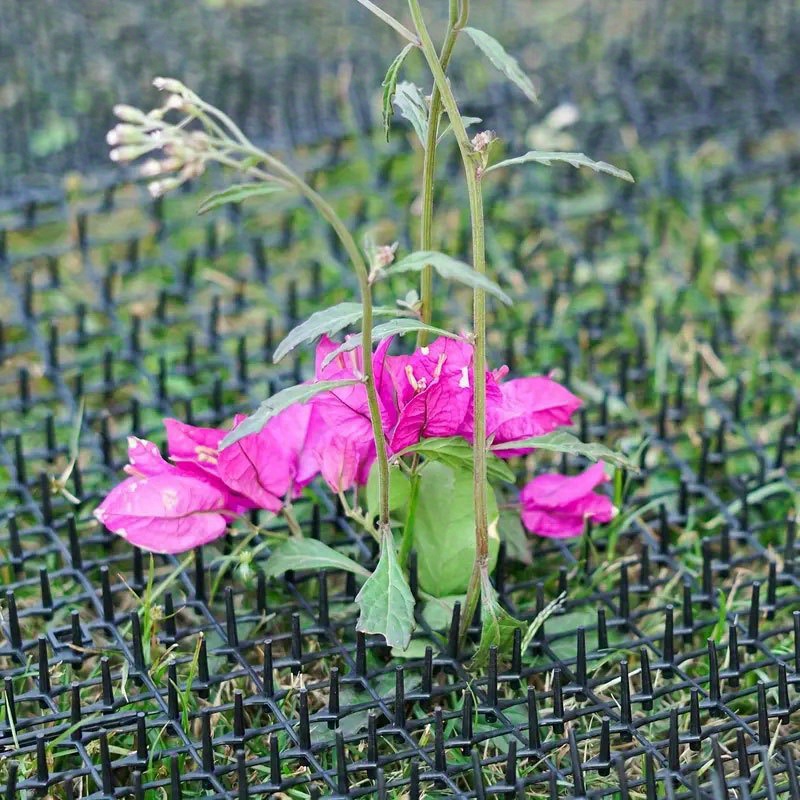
{"x": 151, "y": 168}
{"x": 169, "y": 85}
{"x": 129, "y": 114}
{"x": 175, "y": 103}
{"x": 125, "y": 134}
{"x": 126, "y": 153}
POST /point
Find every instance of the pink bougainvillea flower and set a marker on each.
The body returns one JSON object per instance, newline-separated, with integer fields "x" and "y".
{"x": 195, "y": 451}
{"x": 276, "y": 462}
{"x": 434, "y": 397}
{"x": 145, "y": 460}
{"x": 557, "y": 506}
{"x": 164, "y": 513}
{"x": 427, "y": 394}
{"x": 344, "y": 462}
{"x": 529, "y": 407}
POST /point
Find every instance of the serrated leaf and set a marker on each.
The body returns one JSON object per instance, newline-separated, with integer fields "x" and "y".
{"x": 385, "y": 600}
{"x": 497, "y": 625}
{"x": 408, "y": 98}
{"x": 444, "y": 529}
{"x": 330, "y": 320}
{"x": 277, "y": 403}
{"x": 390, "y": 86}
{"x": 395, "y": 327}
{"x": 575, "y": 159}
{"x": 308, "y": 554}
{"x": 457, "y": 452}
{"x": 506, "y": 63}
{"x": 237, "y": 194}
{"x": 563, "y": 442}
{"x": 451, "y": 269}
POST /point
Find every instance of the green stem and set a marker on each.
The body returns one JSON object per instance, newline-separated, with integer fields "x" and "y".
{"x": 362, "y": 272}
{"x": 428, "y": 170}
{"x": 407, "y": 542}
{"x": 471, "y": 170}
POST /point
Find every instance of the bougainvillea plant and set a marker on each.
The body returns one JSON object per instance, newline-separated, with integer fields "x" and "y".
{"x": 412, "y": 444}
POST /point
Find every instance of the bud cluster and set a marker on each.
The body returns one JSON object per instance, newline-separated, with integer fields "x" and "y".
{"x": 138, "y": 133}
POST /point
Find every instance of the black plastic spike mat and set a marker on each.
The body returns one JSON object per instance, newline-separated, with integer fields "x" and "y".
{"x": 671, "y": 666}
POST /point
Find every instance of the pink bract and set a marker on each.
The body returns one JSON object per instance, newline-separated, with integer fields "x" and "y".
{"x": 278, "y": 461}
{"x": 529, "y": 407}
{"x": 165, "y": 513}
{"x": 556, "y": 506}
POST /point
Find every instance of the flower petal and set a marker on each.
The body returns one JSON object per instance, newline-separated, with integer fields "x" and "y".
{"x": 167, "y": 513}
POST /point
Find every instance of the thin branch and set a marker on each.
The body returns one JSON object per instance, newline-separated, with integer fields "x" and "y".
{"x": 391, "y": 21}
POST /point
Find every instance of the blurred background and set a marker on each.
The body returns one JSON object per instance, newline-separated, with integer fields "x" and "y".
{"x": 308, "y": 70}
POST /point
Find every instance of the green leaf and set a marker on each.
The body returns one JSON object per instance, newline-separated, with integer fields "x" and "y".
{"x": 237, "y": 194}
{"x": 518, "y": 545}
{"x": 330, "y": 320}
{"x": 277, "y": 403}
{"x": 506, "y": 63}
{"x": 390, "y": 86}
{"x": 563, "y": 442}
{"x": 468, "y": 122}
{"x": 457, "y": 453}
{"x": 576, "y": 159}
{"x": 395, "y": 327}
{"x": 408, "y": 98}
{"x": 399, "y": 491}
{"x": 450, "y": 269}
{"x": 444, "y": 530}
{"x": 497, "y": 625}
{"x": 385, "y": 600}
{"x": 308, "y": 554}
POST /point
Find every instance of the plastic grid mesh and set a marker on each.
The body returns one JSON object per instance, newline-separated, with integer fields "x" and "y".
{"x": 670, "y": 673}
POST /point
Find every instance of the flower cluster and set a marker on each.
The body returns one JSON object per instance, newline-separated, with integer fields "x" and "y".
{"x": 172, "y": 506}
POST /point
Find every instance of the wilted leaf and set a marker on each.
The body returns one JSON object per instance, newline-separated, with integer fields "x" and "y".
{"x": 451, "y": 269}
{"x": 506, "y": 63}
{"x": 575, "y": 159}
{"x": 563, "y": 442}
{"x": 308, "y": 554}
{"x": 237, "y": 194}
{"x": 385, "y": 600}
{"x": 390, "y": 86}
{"x": 330, "y": 320}
{"x": 277, "y": 403}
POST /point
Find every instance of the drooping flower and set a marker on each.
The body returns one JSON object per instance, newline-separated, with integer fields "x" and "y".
{"x": 195, "y": 451}
{"x": 275, "y": 463}
{"x": 530, "y": 407}
{"x": 557, "y": 506}
{"x": 160, "y": 507}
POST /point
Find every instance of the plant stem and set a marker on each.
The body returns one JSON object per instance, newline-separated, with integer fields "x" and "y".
{"x": 471, "y": 170}
{"x": 362, "y": 272}
{"x": 407, "y": 542}
{"x": 428, "y": 169}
